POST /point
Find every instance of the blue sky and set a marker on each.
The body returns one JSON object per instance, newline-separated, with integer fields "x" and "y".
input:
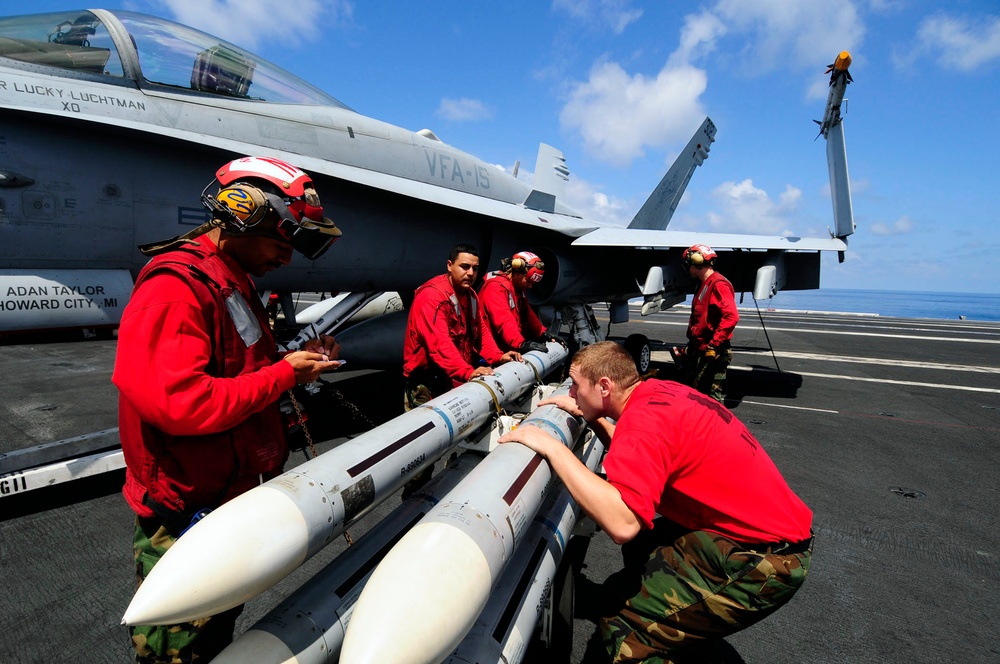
{"x": 619, "y": 86}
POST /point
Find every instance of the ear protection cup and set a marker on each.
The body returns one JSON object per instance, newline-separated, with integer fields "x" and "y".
{"x": 696, "y": 258}
{"x": 517, "y": 264}
{"x": 240, "y": 206}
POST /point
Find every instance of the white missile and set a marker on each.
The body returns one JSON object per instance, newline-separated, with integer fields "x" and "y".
{"x": 840, "y": 77}
{"x": 253, "y": 541}
{"x": 832, "y": 129}
{"x": 326, "y": 316}
{"x": 308, "y": 626}
{"x": 503, "y": 630}
{"x": 434, "y": 583}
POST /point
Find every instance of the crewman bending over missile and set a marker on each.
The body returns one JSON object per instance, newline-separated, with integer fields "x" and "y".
{"x": 713, "y": 539}
{"x": 507, "y": 315}
{"x": 199, "y": 375}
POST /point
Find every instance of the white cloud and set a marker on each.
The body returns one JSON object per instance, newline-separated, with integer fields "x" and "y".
{"x": 902, "y": 225}
{"x": 618, "y": 115}
{"x": 463, "y": 110}
{"x": 960, "y": 43}
{"x": 748, "y": 209}
{"x": 248, "y": 23}
{"x": 593, "y": 204}
{"x": 699, "y": 35}
{"x": 790, "y": 33}
{"x": 613, "y": 14}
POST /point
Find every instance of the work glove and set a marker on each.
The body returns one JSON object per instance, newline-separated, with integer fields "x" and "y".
{"x": 548, "y": 336}
{"x": 710, "y": 353}
{"x": 533, "y": 345}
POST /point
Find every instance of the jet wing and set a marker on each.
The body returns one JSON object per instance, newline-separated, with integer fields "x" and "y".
{"x": 654, "y": 239}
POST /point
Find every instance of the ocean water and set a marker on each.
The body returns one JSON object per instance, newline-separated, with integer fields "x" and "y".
{"x": 899, "y": 304}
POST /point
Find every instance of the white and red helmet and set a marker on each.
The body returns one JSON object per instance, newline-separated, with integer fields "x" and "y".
{"x": 530, "y": 264}
{"x": 253, "y": 187}
{"x": 698, "y": 254}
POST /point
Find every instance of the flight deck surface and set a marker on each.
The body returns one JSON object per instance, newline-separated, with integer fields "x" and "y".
{"x": 887, "y": 428}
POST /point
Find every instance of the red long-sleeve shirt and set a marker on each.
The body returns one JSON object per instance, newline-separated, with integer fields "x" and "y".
{"x": 197, "y": 409}
{"x": 713, "y": 313}
{"x": 507, "y": 314}
{"x": 444, "y": 330}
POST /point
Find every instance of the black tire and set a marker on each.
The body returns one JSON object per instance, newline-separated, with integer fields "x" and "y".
{"x": 637, "y": 346}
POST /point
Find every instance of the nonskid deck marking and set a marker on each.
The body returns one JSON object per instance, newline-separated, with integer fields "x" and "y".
{"x": 884, "y": 324}
{"x": 850, "y": 334}
{"x": 888, "y": 381}
{"x": 851, "y": 319}
{"x": 968, "y": 388}
{"x": 781, "y": 405}
{"x": 664, "y": 356}
{"x": 874, "y": 360}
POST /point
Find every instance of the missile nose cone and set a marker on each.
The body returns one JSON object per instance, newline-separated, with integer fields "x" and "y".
{"x": 427, "y": 592}
{"x": 256, "y": 646}
{"x": 231, "y": 555}
{"x": 843, "y": 61}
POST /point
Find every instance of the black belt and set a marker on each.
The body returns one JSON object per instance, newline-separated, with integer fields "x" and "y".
{"x": 781, "y": 548}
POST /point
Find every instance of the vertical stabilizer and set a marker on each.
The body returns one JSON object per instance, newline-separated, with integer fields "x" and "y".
{"x": 549, "y": 183}
{"x": 656, "y": 212}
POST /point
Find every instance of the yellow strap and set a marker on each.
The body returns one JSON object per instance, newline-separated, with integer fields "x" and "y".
{"x": 496, "y": 401}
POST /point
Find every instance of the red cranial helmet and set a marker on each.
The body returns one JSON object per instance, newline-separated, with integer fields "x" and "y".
{"x": 698, "y": 254}
{"x": 251, "y": 188}
{"x": 530, "y": 264}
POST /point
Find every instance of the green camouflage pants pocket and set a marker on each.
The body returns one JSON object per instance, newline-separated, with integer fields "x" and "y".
{"x": 701, "y": 587}
{"x": 710, "y": 374}
{"x": 415, "y": 396}
{"x": 198, "y": 640}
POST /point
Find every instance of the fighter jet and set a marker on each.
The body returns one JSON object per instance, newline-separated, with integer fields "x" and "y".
{"x": 111, "y": 122}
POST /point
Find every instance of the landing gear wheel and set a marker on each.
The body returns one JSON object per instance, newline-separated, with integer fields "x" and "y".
{"x": 637, "y": 346}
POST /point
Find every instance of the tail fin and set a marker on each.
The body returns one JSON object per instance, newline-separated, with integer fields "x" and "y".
{"x": 549, "y": 183}
{"x": 656, "y": 212}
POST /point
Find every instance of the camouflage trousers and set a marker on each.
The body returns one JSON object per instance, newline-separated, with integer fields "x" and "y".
{"x": 693, "y": 591}
{"x": 704, "y": 374}
{"x": 417, "y": 391}
{"x": 196, "y": 641}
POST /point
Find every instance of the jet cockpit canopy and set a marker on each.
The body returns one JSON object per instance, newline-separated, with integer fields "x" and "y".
{"x": 152, "y": 52}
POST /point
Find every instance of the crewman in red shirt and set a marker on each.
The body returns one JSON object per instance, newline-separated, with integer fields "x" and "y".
{"x": 199, "y": 375}
{"x": 507, "y": 315}
{"x": 710, "y": 328}
{"x": 732, "y": 543}
{"x": 444, "y": 333}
